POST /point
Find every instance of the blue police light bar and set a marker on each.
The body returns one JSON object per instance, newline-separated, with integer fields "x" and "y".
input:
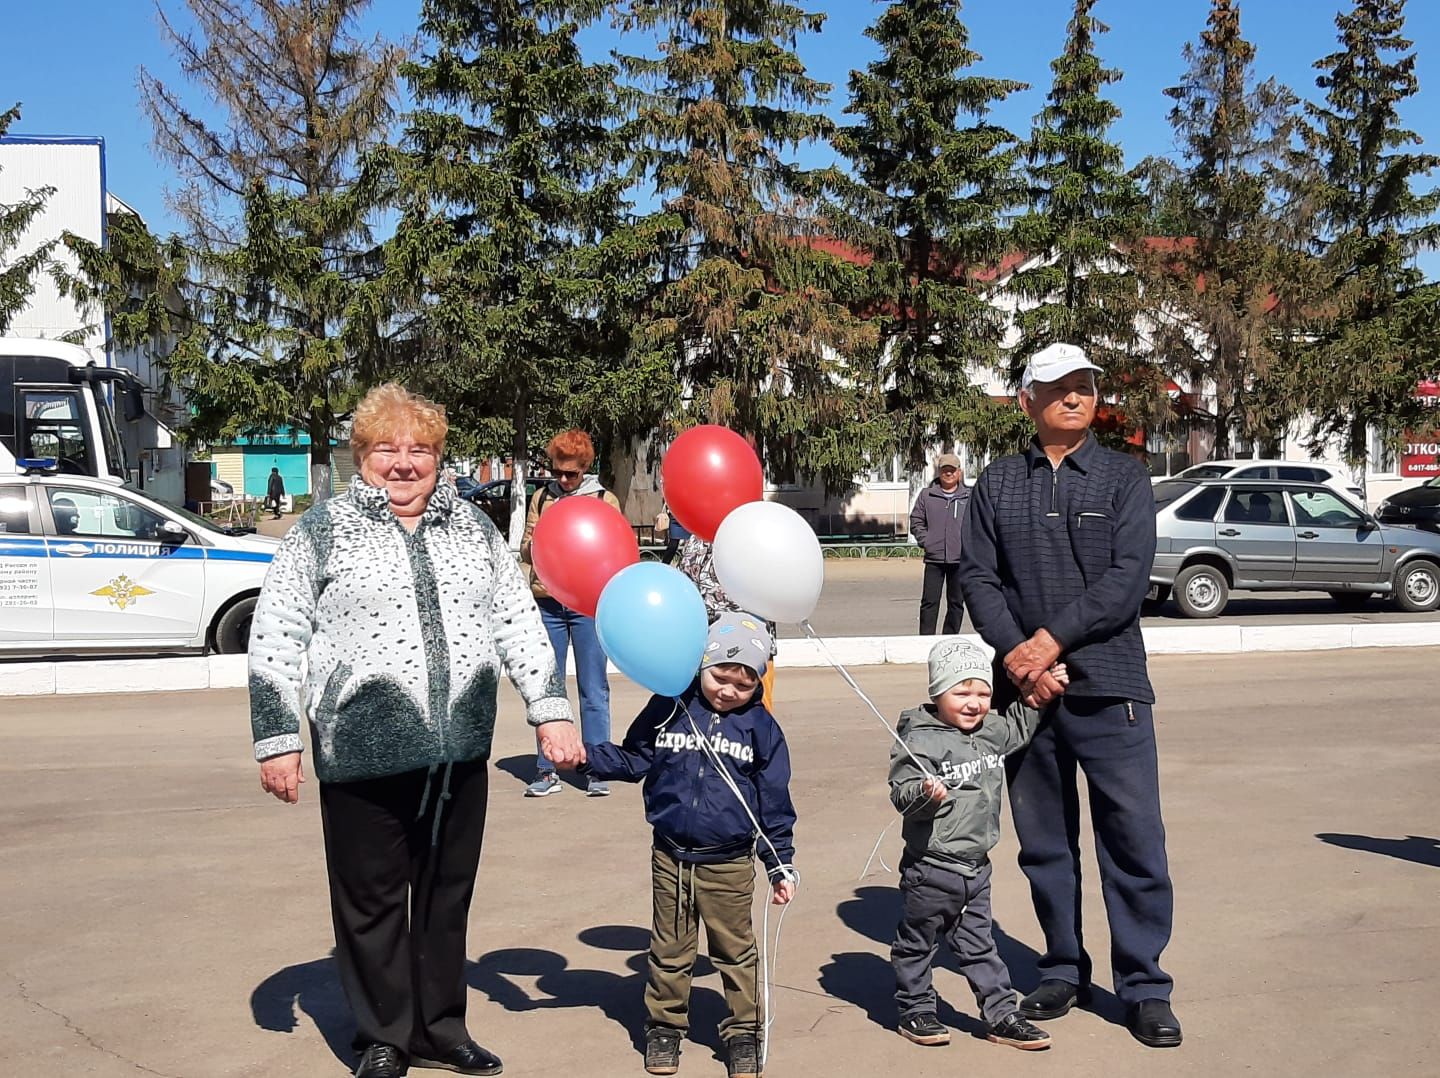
{"x": 30, "y": 465}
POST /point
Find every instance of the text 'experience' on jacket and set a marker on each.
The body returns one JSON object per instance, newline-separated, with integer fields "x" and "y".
{"x": 694, "y": 812}
{"x": 959, "y": 832}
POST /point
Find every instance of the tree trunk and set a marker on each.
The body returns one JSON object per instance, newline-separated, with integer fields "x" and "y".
{"x": 520, "y": 468}
{"x": 1357, "y": 454}
{"x": 319, "y": 431}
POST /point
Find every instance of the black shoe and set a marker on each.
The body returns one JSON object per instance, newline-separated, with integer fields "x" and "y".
{"x": 468, "y": 1058}
{"x": 382, "y": 1061}
{"x": 1018, "y": 1033}
{"x": 923, "y": 1028}
{"x": 1154, "y": 1024}
{"x": 662, "y": 1050}
{"x": 1053, "y": 999}
{"x": 742, "y": 1056}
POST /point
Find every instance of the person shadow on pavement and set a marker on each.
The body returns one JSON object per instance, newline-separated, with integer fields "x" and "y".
{"x": 1415, "y": 848}
{"x": 313, "y": 989}
{"x": 867, "y": 981}
{"x": 619, "y": 996}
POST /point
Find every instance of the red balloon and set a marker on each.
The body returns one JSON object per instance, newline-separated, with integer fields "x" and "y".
{"x": 578, "y": 545}
{"x": 708, "y": 472}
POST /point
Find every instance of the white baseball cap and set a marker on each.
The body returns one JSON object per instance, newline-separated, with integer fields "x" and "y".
{"x": 1054, "y": 362}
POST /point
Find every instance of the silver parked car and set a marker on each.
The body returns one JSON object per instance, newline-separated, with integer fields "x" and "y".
{"x": 1219, "y": 535}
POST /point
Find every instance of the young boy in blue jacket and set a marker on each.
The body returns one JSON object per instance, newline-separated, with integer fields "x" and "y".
{"x": 703, "y": 864}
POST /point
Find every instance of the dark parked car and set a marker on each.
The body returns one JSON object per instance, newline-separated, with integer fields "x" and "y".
{"x": 493, "y": 498}
{"x": 1419, "y": 506}
{"x": 1219, "y": 535}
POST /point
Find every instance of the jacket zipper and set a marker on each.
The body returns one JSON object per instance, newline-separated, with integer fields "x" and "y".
{"x": 1054, "y": 491}
{"x": 699, "y": 784}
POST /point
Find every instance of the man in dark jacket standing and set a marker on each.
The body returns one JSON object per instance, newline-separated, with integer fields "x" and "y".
{"x": 275, "y": 492}
{"x": 935, "y": 522}
{"x": 1059, "y": 542}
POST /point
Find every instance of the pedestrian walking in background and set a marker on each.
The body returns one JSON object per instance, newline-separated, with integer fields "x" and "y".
{"x": 675, "y": 533}
{"x": 571, "y": 454}
{"x": 1059, "y": 541}
{"x": 275, "y": 491}
{"x": 385, "y": 622}
{"x": 936, "y": 523}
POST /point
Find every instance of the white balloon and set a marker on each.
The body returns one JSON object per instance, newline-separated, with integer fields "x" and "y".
{"x": 768, "y": 561}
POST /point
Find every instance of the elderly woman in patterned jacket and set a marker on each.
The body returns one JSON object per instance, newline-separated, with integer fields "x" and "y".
{"x": 386, "y": 620}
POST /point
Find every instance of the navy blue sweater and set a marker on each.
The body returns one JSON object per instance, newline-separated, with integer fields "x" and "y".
{"x": 695, "y": 815}
{"x": 1068, "y": 550}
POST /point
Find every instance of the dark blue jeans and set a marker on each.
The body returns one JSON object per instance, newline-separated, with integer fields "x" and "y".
{"x": 567, "y": 630}
{"x": 1113, "y": 743}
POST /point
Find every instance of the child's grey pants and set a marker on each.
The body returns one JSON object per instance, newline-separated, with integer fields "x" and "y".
{"x": 940, "y": 902}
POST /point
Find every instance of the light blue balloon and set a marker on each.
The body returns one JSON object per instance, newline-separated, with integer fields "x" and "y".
{"x": 652, "y": 623}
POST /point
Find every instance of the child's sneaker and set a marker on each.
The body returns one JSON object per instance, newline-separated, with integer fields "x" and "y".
{"x": 662, "y": 1050}
{"x": 545, "y": 784}
{"x": 742, "y": 1056}
{"x": 924, "y": 1028}
{"x": 597, "y": 788}
{"x": 1018, "y": 1033}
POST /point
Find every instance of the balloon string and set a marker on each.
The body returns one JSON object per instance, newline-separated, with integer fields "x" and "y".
{"x": 825, "y": 650}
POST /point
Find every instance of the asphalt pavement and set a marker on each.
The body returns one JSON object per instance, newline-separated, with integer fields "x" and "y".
{"x": 881, "y": 597}
{"x": 159, "y": 915}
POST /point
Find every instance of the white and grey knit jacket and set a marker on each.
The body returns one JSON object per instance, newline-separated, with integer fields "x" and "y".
{"x": 390, "y": 642}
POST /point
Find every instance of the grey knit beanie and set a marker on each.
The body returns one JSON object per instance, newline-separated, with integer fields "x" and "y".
{"x": 738, "y": 638}
{"x": 955, "y": 660}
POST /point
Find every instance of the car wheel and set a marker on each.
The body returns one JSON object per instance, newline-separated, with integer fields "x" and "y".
{"x": 232, "y": 631}
{"x": 1417, "y": 587}
{"x": 1350, "y": 600}
{"x": 1201, "y": 591}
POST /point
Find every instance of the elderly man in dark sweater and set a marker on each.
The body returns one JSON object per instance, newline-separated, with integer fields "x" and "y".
{"x": 1055, "y": 562}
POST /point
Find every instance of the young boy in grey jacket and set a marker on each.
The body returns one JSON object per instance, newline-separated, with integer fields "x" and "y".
{"x": 950, "y": 801}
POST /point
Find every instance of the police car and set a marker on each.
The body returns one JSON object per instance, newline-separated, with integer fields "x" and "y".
{"x": 90, "y": 565}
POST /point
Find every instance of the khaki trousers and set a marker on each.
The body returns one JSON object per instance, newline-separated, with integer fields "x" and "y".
{"x": 721, "y": 895}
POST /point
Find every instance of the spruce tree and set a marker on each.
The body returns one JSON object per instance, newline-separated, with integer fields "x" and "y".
{"x": 746, "y": 313}
{"x": 512, "y": 239}
{"x": 1363, "y": 369}
{"x": 285, "y": 327}
{"x": 1086, "y": 215}
{"x": 18, "y": 269}
{"x": 934, "y": 181}
{"x": 1222, "y": 295}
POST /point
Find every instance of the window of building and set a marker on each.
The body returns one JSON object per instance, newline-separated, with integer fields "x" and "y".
{"x": 1382, "y": 454}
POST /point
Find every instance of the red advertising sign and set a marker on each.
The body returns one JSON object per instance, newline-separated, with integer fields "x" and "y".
{"x": 1420, "y": 458}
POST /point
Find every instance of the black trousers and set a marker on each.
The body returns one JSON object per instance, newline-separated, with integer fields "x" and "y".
{"x": 400, "y": 904}
{"x": 1113, "y": 743}
{"x": 940, "y": 575}
{"x": 938, "y": 903}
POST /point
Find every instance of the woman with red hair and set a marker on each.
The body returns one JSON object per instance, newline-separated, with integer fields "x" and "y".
{"x": 571, "y": 454}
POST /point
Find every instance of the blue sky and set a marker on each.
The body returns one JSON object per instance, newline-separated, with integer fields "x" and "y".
{"x": 73, "y": 64}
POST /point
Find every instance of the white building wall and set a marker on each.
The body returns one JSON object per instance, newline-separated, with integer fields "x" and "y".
{"x": 75, "y": 168}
